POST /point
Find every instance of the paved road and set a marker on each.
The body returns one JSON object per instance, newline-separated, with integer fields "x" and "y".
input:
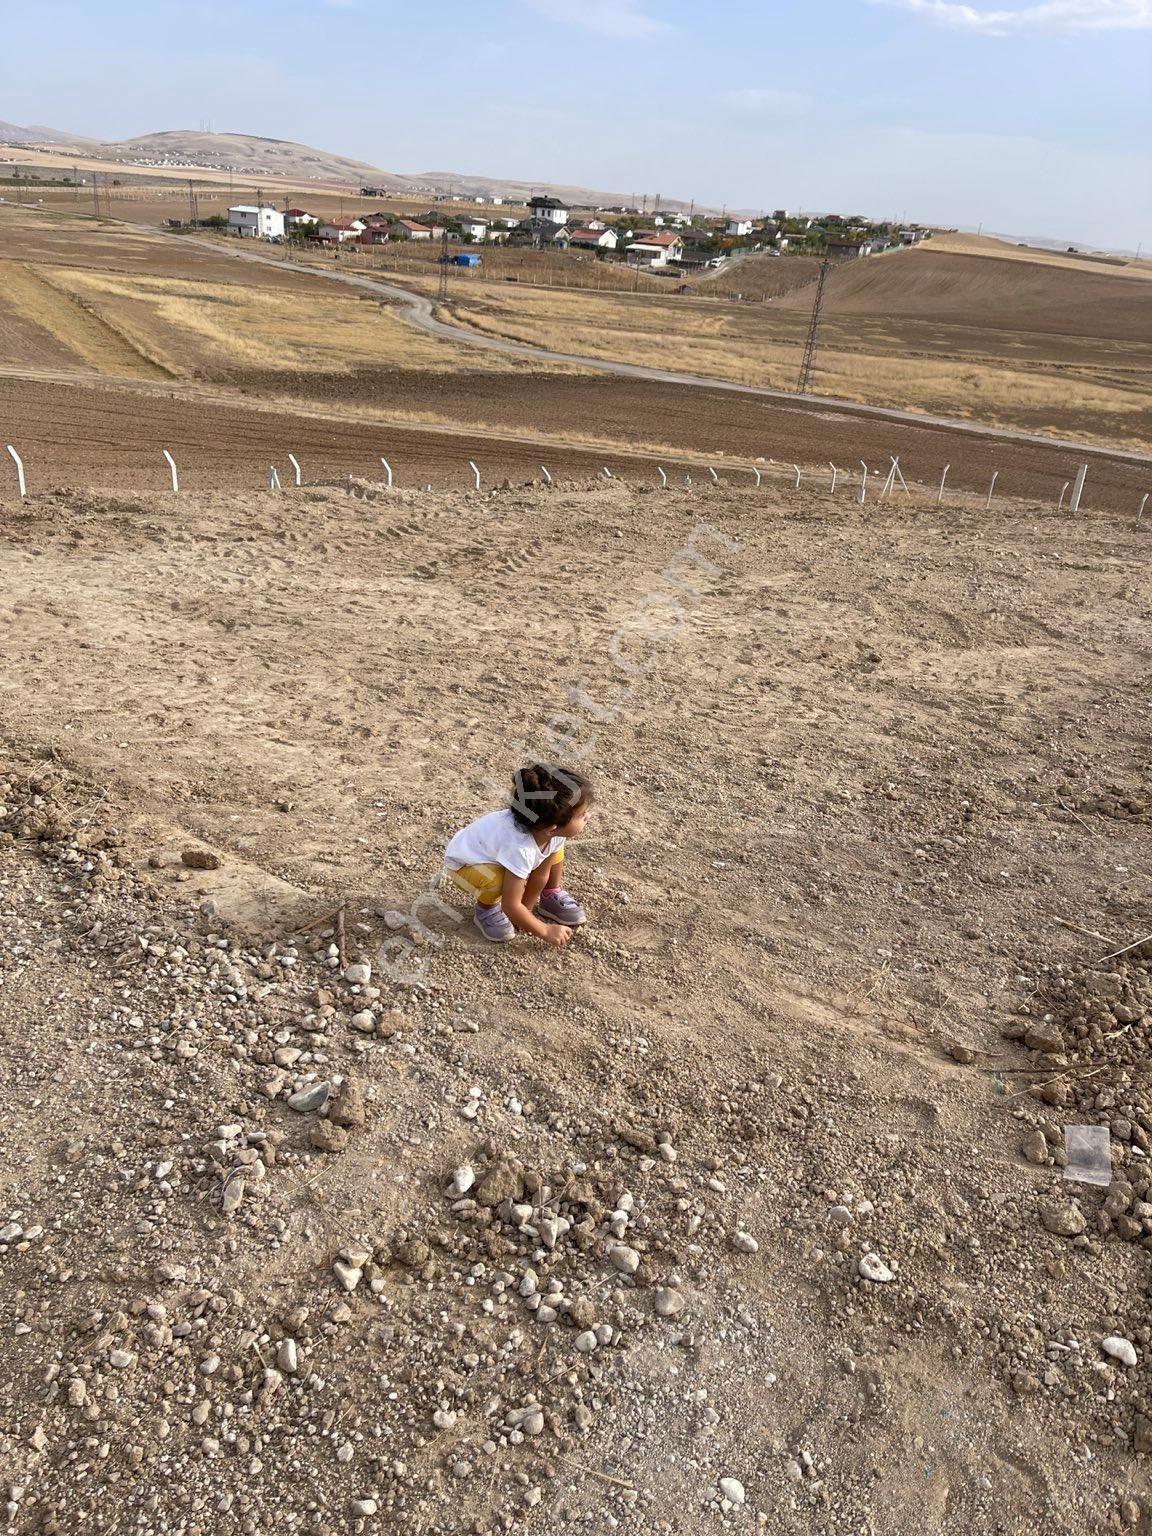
{"x": 420, "y": 312}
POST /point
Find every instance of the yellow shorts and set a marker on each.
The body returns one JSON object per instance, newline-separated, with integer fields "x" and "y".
{"x": 486, "y": 881}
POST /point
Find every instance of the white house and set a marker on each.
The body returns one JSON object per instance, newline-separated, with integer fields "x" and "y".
{"x": 655, "y": 251}
{"x": 739, "y": 226}
{"x": 476, "y": 228}
{"x": 341, "y": 230}
{"x": 593, "y": 238}
{"x": 262, "y": 223}
{"x": 547, "y": 210}
{"x": 299, "y": 218}
{"x": 409, "y": 229}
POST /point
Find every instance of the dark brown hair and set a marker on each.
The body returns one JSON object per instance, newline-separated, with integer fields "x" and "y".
{"x": 544, "y": 795}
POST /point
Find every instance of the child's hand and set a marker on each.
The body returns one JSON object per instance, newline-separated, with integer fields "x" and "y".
{"x": 556, "y": 933}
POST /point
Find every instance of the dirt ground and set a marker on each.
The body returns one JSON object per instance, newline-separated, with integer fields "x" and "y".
{"x": 429, "y": 425}
{"x": 746, "y": 1210}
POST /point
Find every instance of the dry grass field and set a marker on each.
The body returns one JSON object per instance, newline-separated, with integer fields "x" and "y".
{"x": 125, "y": 303}
{"x": 1035, "y": 346}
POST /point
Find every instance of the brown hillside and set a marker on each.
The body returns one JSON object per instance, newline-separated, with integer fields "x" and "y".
{"x": 993, "y": 292}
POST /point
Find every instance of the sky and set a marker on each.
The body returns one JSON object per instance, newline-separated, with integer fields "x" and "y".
{"x": 1028, "y": 118}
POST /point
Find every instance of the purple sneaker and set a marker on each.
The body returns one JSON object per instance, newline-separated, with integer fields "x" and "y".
{"x": 493, "y": 923}
{"x": 556, "y": 906}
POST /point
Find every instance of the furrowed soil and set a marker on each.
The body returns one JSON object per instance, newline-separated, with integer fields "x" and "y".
{"x": 744, "y": 1211}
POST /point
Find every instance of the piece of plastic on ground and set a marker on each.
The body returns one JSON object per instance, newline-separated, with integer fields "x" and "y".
{"x": 1089, "y": 1151}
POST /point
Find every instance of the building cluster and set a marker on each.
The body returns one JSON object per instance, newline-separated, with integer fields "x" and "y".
{"x": 662, "y": 242}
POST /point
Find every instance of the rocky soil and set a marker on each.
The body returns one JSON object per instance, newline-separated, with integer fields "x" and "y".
{"x": 749, "y": 1210}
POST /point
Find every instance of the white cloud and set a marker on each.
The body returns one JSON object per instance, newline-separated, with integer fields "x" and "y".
{"x": 754, "y": 101}
{"x": 609, "y": 18}
{"x": 1051, "y": 16}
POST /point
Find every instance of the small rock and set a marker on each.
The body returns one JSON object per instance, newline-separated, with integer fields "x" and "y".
{"x": 669, "y": 1303}
{"x": 443, "y": 1418}
{"x": 463, "y": 1179}
{"x": 625, "y": 1259}
{"x": 1062, "y": 1218}
{"x": 307, "y": 1100}
{"x": 503, "y": 1180}
{"x": 327, "y": 1136}
{"x": 532, "y": 1423}
{"x": 1035, "y": 1147}
{"x": 872, "y": 1267}
{"x": 1044, "y": 1035}
{"x": 732, "y": 1489}
{"x": 232, "y": 1194}
{"x": 287, "y": 1357}
{"x": 348, "y": 1110}
{"x": 348, "y": 1275}
{"x": 358, "y": 974}
{"x": 586, "y": 1342}
{"x": 364, "y": 1506}
{"x": 744, "y": 1242}
{"x": 200, "y": 858}
{"x": 121, "y": 1359}
{"x": 364, "y": 1021}
{"x": 964, "y": 1054}
{"x": 1120, "y": 1349}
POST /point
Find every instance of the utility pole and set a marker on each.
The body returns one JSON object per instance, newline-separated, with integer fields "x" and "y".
{"x": 813, "y": 330}
{"x": 193, "y": 205}
{"x": 287, "y": 232}
{"x": 442, "y": 289}
{"x": 96, "y": 193}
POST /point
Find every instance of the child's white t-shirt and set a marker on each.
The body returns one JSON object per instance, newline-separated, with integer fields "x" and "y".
{"x": 496, "y": 839}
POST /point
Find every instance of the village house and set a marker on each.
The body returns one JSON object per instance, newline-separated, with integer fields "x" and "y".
{"x": 298, "y": 218}
{"x": 476, "y": 229}
{"x": 341, "y": 230}
{"x": 739, "y": 227}
{"x": 547, "y": 210}
{"x": 261, "y": 223}
{"x": 590, "y": 238}
{"x": 408, "y": 229}
{"x": 657, "y": 250}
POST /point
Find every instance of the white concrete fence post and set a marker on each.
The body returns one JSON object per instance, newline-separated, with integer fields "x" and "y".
{"x": 1063, "y": 493}
{"x": 991, "y": 488}
{"x": 295, "y": 463}
{"x": 475, "y": 471}
{"x": 715, "y": 476}
{"x": 756, "y": 472}
{"x": 1143, "y": 504}
{"x": 1078, "y": 488}
{"x": 663, "y": 478}
{"x": 863, "y": 482}
{"x": 172, "y": 467}
{"x": 796, "y": 467}
{"x": 273, "y": 478}
{"x": 387, "y": 471}
{"x": 19, "y": 463}
{"x": 832, "y": 467}
{"x": 943, "y": 477}
{"x": 544, "y": 472}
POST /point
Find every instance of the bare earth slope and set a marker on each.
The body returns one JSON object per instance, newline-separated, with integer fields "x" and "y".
{"x": 992, "y": 292}
{"x": 871, "y": 808}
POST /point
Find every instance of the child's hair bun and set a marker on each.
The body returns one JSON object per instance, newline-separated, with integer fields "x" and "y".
{"x": 544, "y": 795}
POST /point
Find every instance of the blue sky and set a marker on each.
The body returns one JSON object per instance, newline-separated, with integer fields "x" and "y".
{"x": 1031, "y": 118}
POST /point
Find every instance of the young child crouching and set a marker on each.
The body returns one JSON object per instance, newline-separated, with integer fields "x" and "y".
{"x": 512, "y": 860}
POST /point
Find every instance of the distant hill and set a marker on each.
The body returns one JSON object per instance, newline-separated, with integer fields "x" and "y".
{"x": 250, "y": 154}
{"x": 38, "y": 134}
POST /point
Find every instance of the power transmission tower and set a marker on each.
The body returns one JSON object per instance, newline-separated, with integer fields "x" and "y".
{"x": 193, "y": 205}
{"x": 442, "y": 290}
{"x": 813, "y": 329}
